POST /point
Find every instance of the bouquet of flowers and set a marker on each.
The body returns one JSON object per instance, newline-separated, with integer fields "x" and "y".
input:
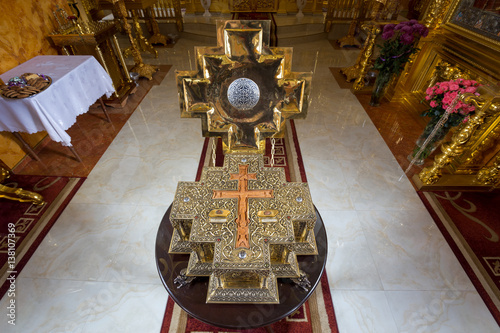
{"x": 442, "y": 94}
{"x": 400, "y": 40}
{"x": 440, "y": 98}
{"x": 399, "y": 45}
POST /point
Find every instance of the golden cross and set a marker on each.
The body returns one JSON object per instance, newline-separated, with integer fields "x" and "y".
{"x": 243, "y": 60}
{"x": 242, "y": 194}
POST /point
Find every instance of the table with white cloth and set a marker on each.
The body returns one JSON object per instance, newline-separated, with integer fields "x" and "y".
{"x": 77, "y": 83}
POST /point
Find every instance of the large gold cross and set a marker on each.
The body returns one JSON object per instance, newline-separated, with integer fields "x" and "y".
{"x": 242, "y": 89}
{"x": 242, "y": 194}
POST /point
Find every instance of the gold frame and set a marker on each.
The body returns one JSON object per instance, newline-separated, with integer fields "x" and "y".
{"x": 472, "y": 32}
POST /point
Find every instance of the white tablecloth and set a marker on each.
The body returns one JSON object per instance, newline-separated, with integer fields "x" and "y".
{"x": 77, "y": 82}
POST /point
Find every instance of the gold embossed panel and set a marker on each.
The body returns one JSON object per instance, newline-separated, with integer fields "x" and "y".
{"x": 243, "y": 225}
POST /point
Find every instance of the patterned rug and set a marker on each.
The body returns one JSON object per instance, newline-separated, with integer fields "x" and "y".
{"x": 470, "y": 222}
{"x": 31, "y": 222}
{"x": 286, "y": 154}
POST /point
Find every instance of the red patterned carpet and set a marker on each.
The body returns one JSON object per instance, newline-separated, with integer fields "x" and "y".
{"x": 470, "y": 222}
{"x": 31, "y": 222}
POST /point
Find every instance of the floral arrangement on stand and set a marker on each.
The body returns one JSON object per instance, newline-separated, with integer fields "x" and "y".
{"x": 400, "y": 43}
{"x": 443, "y": 100}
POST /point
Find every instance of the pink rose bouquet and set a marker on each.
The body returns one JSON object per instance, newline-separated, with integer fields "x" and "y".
{"x": 440, "y": 97}
{"x": 442, "y": 94}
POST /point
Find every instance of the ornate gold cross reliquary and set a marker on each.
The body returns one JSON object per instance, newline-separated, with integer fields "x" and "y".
{"x": 243, "y": 224}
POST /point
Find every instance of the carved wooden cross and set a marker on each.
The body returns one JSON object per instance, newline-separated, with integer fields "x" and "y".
{"x": 242, "y": 194}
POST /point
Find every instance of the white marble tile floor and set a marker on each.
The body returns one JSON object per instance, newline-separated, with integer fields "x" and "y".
{"x": 389, "y": 268}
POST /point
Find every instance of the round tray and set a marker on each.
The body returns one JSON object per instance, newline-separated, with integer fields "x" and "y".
{"x": 27, "y": 91}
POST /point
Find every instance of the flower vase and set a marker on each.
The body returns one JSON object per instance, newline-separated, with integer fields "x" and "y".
{"x": 206, "y": 5}
{"x": 433, "y": 143}
{"x": 300, "y": 5}
{"x": 383, "y": 79}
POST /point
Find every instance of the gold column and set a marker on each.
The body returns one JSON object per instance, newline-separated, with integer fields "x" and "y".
{"x": 121, "y": 59}
{"x": 142, "y": 42}
{"x": 103, "y": 62}
{"x": 140, "y": 67}
{"x": 358, "y": 70}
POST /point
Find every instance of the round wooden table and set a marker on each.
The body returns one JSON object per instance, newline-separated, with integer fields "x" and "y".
{"x": 192, "y": 297}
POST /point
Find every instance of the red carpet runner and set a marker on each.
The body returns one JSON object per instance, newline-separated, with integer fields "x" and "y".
{"x": 31, "y": 222}
{"x": 317, "y": 314}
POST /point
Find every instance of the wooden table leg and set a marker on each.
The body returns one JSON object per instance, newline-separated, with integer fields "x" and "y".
{"x": 104, "y": 110}
{"x": 75, "y": 153}
{"x": 26, "y": 146}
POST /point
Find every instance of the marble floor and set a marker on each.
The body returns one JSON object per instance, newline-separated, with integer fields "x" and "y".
{"x": 389, "y": 268}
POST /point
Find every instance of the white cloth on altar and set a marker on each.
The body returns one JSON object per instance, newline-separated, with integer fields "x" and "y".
{"x": 77, "y": 82}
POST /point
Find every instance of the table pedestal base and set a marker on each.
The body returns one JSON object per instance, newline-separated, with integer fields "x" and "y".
{"x": 104, "y": 110}
{"x": 192, "y": 297}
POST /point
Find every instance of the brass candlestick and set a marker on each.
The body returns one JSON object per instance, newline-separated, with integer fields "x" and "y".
{"x": 142, "y": 42}
{"x": 157, "y": 37}
{"x": 140, "y": 67}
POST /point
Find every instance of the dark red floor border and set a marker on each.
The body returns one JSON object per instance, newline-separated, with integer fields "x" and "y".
{"x": 458, "y": 254}
{"x": 327, "y": 298}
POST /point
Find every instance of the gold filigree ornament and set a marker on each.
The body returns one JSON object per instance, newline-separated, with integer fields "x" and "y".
{"x": 17, "y": 194}
{"x": 243, "y": 225}
{"x": 242, "y": 89}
